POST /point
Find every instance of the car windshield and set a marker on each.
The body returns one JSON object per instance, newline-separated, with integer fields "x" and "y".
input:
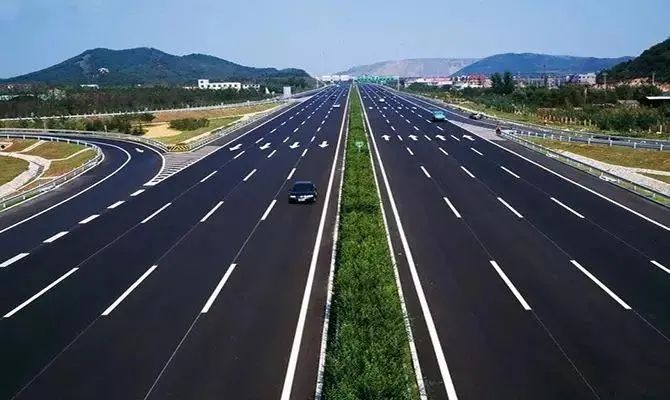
{"x": 303, "y": 187}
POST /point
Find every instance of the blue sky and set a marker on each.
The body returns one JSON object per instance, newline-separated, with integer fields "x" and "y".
{"x": 324, "y": 36}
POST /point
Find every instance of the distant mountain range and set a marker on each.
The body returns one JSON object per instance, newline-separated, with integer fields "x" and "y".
{"x": 537, "y": 64}
{"x": 517, "y": 63}
{"x": 146, "y": 66}
{"x": 427, "y": 67}
{"x": 655, "y": 60}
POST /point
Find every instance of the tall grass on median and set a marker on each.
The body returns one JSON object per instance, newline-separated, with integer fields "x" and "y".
{"x": 368, "y": 354}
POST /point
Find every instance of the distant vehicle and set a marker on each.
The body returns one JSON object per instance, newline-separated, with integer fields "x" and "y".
{"x": 381, "y": 100}
{"x": 302, "y": 192}
{"x": 336, "y": 106}
{"x": 438, "y": 116}
{"x": 476, "y": 116}
{"x": 333, "y": 97}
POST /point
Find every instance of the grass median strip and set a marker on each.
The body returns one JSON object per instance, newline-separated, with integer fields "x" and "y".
{"x": 368, "y": 354}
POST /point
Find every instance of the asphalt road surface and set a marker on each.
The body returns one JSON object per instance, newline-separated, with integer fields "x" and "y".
{"x": 520, "y": 283}
{"x": 207, "y": 285}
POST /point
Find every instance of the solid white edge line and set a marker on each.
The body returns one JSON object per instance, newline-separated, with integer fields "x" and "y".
{"x": 648, "y": 219}
{"x": 425, "y": 172}
{"x": 209, "y": 214}
{"x": 113, "y": 206}
{"x": 40, "y": 293}
{"x": 272, "y": 153}
{"x": 129, "y": 157}
{"x": 128, "y": 291}
{"x": 246, "y": 178}
{"x": 290, "y": 174}
{"x": 13, "y": 260}
{"x": 566, "y": 207}
{"x": 453, "y": 209}
{"x": 510, "y": 172}
{"x": 300, "y": 326}
{"x": 467, "y": 172}
{"x": 506, "y": 204}
{"x": 88, "y": 219}
{"x": 331, "y": 277}
{"x": 423, "y": 302}
{"x": 137, "y": 192}
{"x": 218, "y": 289}
{"x": 267, "y": 212}
{"x": 147, "y": 219}
{"x": 208, "y": 176}
{"x": 55, "y": 237}
{"x": 408, "y": 328}
{"x": 601, "y": 285}
{"x": 661, "y": 266}
{"x": 510, "y": 285}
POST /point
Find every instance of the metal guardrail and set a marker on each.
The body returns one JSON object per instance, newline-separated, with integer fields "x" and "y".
{"x": 566, "y": 135}
{"x": 14, "y": 199}
{"x": 218, "y": 134}
{"x": 164, "y": 110}
{"x": 647, "y": 192}
{"x": 88, "y": 134}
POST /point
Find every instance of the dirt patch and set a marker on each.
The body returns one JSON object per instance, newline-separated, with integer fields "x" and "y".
{"x": 160, "y": 130}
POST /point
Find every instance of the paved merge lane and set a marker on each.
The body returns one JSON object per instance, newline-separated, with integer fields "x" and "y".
{"x": 148, "y": 310}
{"x": 576, "y": 339}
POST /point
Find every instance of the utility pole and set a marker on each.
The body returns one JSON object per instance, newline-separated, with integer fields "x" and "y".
{"x": 653, "y": 78}
{"x": 398, "y": 86}
{"x": 605, "y": 78}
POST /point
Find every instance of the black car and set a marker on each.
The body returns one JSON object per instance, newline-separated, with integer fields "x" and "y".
{"x": 302, "y": 192}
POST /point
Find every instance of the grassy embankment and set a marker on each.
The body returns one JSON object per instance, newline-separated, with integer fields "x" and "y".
{"x": 10, "y": 168}
{"x": 624, "y": 156}
{"x": 368, "y": 353}
{"x": 218, "y": 118}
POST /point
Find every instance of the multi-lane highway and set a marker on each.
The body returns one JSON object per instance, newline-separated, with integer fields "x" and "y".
{"x": 524, "y": 279}
{"x": 207, "y": 285}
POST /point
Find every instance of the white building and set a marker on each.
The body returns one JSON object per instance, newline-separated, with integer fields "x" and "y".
{"x": 335, "y": 78}
{"x": 206, "y": 84}
{"x": 583, "y": 79}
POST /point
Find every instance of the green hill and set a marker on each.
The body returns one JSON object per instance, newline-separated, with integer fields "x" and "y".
{"x": 537, "y": 64}
{"x": 147, "y": 66}
{"x": 655, "y": 59}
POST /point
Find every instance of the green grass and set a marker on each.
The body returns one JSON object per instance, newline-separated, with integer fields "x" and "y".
{"x": 20, "y": 144}
{"x": 662, "y": 178}
{"x": 624, "y": 156}
{"x": 58, "y": 168}
{"x": 368, "y": 353}
{"x": 55, "y": 150}
{"x": 214, "y": 123}
{"x": 10, "y": 168}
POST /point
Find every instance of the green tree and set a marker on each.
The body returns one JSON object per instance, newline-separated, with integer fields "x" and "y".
{"x": 507, "y": 83}
{"x": 497, "y": 84}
